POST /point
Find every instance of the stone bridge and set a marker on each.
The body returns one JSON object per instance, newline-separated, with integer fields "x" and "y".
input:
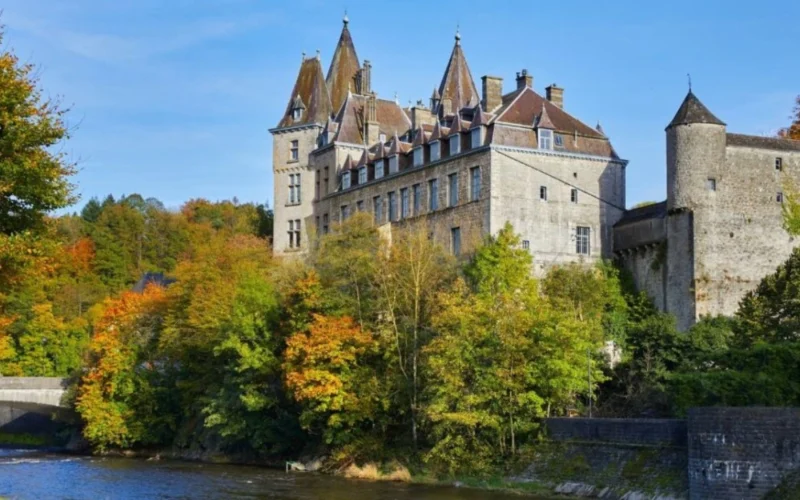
{"x": 33, "y": 393}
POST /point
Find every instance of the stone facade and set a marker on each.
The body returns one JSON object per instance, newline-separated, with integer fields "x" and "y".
{"x": 720, "y": 230}
{"x": 518, "y": 157}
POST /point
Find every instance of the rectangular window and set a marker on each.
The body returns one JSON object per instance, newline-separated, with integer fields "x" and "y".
{"x": 325, "y": 180}
{"x": 377, "y": 209}
{"x": 711, "y": 184}
{"x": 346, "y": 180}
{"x": 435, "y": 151}
{"x": 417, "y": 189}
{"x": 324, "y": 223}
{"x": 316, "y": 184}
{"x": 379, "y": 169}
{"x": 360, "y": 205}
{"x": 455, "y": 144}
{"x": 545, "y": 138}
{"x": 475, "y": 183}
{"x": 433, "y": 194}
{"x": 526, "y": 245}
{"x": 297, "y": 233}
{"x": 779, "y": 164}
{"x": 475, "y": 138}
{"x": 294, "y": 189}
{"x": 582, "y": 240}
{"x": 392, "y": 206}
{"x": 418, "y": 156}
{"x": 452, "y": 183}
{"x": 455, "y": 240}
{"x": 404, "y": 203}
{"x": 573, "y": 195}
{"x": 779, "y": 197}
{"x": 362, "y": 175}
{"x": 291, "y": 234}
{"x": 344, "y": 213}
{"x": 559, "y": 140}
{"x": 295, "y": 151}
{"x": 393, "y": 164}
{"x": 543, "y": 193}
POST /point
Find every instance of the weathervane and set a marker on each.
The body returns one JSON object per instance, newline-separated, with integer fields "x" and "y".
{"x": 689, "y": 77}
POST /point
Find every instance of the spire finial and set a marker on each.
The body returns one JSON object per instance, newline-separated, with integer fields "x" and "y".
{"x": 303, "y": 56}
{"x": 319, "y": 57}
{"x": 689, "y": 77}
{"x": 345, "y": 19}
{"x": 458, "y": 34}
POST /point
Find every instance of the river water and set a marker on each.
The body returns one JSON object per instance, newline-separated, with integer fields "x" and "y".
{"x": 35, "y": 475}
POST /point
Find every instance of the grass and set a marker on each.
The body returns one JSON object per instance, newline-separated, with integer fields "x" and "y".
{"x": 371, "y": 472}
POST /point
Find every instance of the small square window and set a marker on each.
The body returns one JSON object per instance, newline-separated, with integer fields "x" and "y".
{"x": 559, "y": 140}
{"x": 543, "y": 193}
{"x": 573, "y": 195}
{"x": 779, "y": 197}
{"x": 295, "y": 151}
{"x": 779, "y": 164}
{"x": 526, "y": 245}
{"x": 711, "y": 184}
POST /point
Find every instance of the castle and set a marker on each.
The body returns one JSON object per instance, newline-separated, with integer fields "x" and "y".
{"x": 469, "y": 162}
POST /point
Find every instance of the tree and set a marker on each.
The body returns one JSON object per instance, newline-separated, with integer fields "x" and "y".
{"x": 33, "y": 179}
{"x": 793, "y": 130}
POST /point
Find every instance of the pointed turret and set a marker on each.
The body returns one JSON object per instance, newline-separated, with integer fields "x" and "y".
{"x": 419, "y": 137}
{"x": 344, "y": 68}
{"x": 693, "y": 111}
{"x": 309, "y": 101}
{"x": 457, "y": 87}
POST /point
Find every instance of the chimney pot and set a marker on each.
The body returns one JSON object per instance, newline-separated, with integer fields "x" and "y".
{"x": 524, "y": 79}
{"x": 555, "y": 94}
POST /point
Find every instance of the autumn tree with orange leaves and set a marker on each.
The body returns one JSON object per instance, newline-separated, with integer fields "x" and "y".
{"x": 793, "y": 130}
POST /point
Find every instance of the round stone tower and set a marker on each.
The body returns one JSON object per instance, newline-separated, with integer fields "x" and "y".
{"x": 695, "y": 155}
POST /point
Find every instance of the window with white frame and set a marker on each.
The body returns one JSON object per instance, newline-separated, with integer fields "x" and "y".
{"x": 346, "y": 179}
{"x": 294, "y": 151}
{"x": 433, "y": 194}
{"x": 291, "y": 233}
{"x": 294, "y": 233}
{"x": 474, "y": 183}
{"x": 545, "y": 138}
{"x": 382, "y": 138}
{"x": 392, "y": 206}
{"x": 582, "y": 240}
{"x": 455, "y": 144}
{"x": 362, "y": 175}
{"x": 393, "y": 164}
{"x": 418, "y": 156}
{"x": 294, "y": 189}
{"x": 452, "y": 189}
{"x": 573, "y": 195}
{"x": 435, "y": 151}
{"x": 417, "y": 192}
{"x": 475, "y": 137}
{"x": 543, "y": 193}
{"x": 404, "y": 203}
{"x": 377, "y": 209}
{"x": 297, "y": 113}
{"x": 379, "y": 169}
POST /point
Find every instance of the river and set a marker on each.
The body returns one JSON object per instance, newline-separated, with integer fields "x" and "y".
{"x": 35, "y": 475}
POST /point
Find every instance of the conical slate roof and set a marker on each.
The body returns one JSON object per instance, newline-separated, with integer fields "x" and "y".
{"x": 344, "y": 66}
{"x": 457, "y": 83}
{"x": 310, "y": 91}
{"x": 693, "y": 111}
{"x": 543, "y": 120}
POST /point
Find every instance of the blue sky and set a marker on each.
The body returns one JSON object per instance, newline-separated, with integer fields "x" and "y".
{"x": 174, "y": 99}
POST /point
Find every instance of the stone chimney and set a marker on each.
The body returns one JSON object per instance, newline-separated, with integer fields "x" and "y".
{"x": 555, "y": 94}
{"x": 372, "y": 133}
{"x": 364, "y": 79}
{"x": 420, "y": 115}
{"x": 492, "y": 92}
{"x": 524, "y": 79}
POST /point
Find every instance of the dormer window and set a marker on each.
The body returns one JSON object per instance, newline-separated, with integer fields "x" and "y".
{"x": 455, "y": 144}
{"x": 435, "y": 151}
{"x": 382, "y": 138}
{"x": 475, "y": 138}
{"x": 362, "y": 175}
{"x": 296, "y": 114}
{"x": 346, "y": 180}
{"x": 418, "y": 159}
{"x": 393, "y": 164}
{"x": 379, "y": 169}
{"x": 545, "y": 138}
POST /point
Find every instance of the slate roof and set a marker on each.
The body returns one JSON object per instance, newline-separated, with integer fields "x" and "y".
{"x": 457, "y": 83}
{"x": 391, "y": 118}
{"x": 655, "y": 210}
{"x": 543, "y": 120}
{"x": 693, "y": 111}
{"x": 523, "y": 105}
{"x": 754, "y": 141}
{"x": 310, "y": 88}
{"x": 344, "y": 66}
